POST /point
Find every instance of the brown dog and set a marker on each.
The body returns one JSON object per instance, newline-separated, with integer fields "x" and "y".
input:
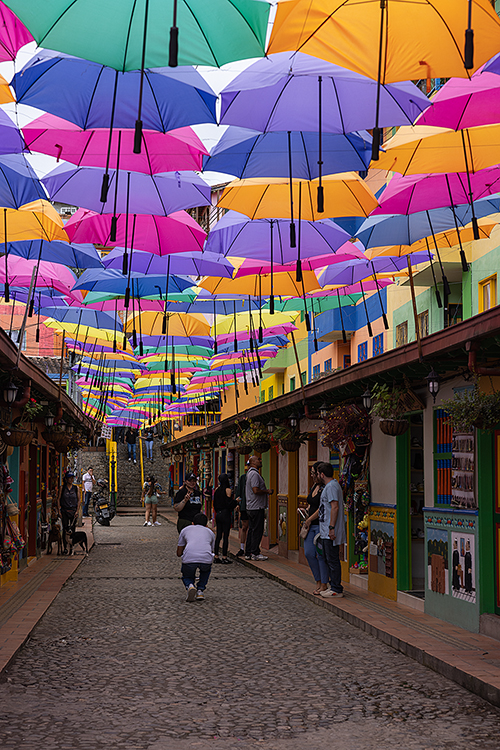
{"x": 55, "y": 536}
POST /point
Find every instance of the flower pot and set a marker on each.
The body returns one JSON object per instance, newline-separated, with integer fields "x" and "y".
{"x": 262, "y": 446}
{"x": 17, "y": 436}
{"x": 244, "y": 449}
{"x": 291, "y": 446}
{"x": 59, "y": 440}
{"x": 394, "y": 427}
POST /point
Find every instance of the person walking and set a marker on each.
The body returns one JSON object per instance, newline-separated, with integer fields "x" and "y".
{"x": 316, "y": 561}
{"x": 68, "y": 506}
{"x": 241, "y": 500}
{"x": 331, "y": 528}
{"x": 196, "y": 547}
{"x": 257, "y": 495}
{"x": 89, "y": 482}
{"x": 131, "y": 440}
{"x": 187, "y": 502}
{"x": 150, "y": 492}
{"x": 224, "y": 505}
{"x": 148, "y": 441}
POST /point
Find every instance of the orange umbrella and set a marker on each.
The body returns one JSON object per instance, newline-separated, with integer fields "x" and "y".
{"x": 443, "y": 240}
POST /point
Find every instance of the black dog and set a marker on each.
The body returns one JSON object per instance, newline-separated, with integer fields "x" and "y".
{"x": 73, "y": 538}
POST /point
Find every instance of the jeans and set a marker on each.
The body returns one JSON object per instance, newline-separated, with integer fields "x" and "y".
{"x": 256, "y": 520}
{"x": 86, "y": 502}
{"x": 131, "y": 451}
{"x": 331, "y": 553}
{"x": 223, "y": 527}
{"x": 317, "y": 562}
{"x": 188, "y": 572}
{"x": 149, "y": 449}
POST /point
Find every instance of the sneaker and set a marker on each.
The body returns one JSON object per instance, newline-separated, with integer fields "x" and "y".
{"x": 135, "y": 461}
{"x": 240, "y": 553}
{"x": 191, "y": 593}
{"x": 146, "y": 523}
{"x": 149, "y": 523}
{"x": 216, "y": 560}
{"x": 157, "y": 523}
{"x": 329, "y": 592}
{"x": 130, "y": 459}
{"x": 200, "y": 596}
{"x": 225, "y": 561}
{"x": 260, "y": 558}
{"x": 248, "y": 557}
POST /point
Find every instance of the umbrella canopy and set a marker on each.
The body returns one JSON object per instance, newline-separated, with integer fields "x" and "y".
{"x": 50, "y": 275}
{"x": 160, "y": 194}
{"x": 265, "y": 95}
{"x": 11, "y": 140}
{"x": 37, "y": 220}
{"x": 243, "y": 153}
{"x": 195, "y": 264}
{"x": 151, "y": 324}
{"x": 161, "y": 152}
{"x": 345, "y": 195}
{"x": 83, "y": 92}
{"x": 74, "y": 256}
{"x": 251, "y": 267}
{"x": 160, "y": 235}
{"x": 240, "y": 322}
{"x": 283, "y": 284}
{"x": 420, "y": 150}
{"x": 235, "y": 234}
{"x": 112, "y": 32}
{"x": 461, "y": 103}
{"x": 405, "y": 195}
{"x": 5, "y": 92}
{"x": 420, "y": 39}
{"x": 357, "y": 270}
{"x": 13, "y": 34}
{"x": 92, "y": 318}
{"x": 111, "y": 280}
{"x": 446, "y": 239}
{"x": 18, "y": 182}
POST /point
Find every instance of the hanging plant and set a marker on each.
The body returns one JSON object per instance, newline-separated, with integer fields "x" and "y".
{"x": 290, "y": 438}
{"x": 390, "y": 405}
{"x": 255, "y": 437}
{"x": 345, "y": 421}
{"x": 473, "y": 408}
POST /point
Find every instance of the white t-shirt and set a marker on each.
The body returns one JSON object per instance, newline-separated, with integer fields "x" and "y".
{"x": 88, "y": 484}
{"x": 198, "y": 542}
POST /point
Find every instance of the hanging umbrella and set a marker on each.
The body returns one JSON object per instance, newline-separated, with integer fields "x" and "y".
{"x": 351, "y": 272}
{"x": 5, "y": 92}
{"x": 13, "y": 35}
{"x": 463, "y": 103}
{"x": 244, "y": 153}
{"x": 188, "y": 264}
{"x": 160, "y": 235}
{"x": 264, "y": 97}
{"x": 415, "y": 39}
{"x": 91, "y": 318}
{"x": 35, "y": 220}
{"x": 18, "y": 182}
{"x": 74, "y": 256}
{"x": 284, "y": 285}
{"x": 252, "y": 267}
{"x": 179, "y": 325}
{"x": 50, "y": 275}
{"x": 159, "y": 194}
{"x": 11, "y": 139}
{"x": 162, "y": 152}
{"x": 239, "y": 322}
{"x": 448, "y": 239}
{"x": 346, "y": 195}
{"x": 111, "y": 280}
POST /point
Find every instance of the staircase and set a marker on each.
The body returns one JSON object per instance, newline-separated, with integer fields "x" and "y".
{"x": 129, "y": 474}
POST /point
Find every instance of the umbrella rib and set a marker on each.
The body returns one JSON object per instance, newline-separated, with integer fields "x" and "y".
{"x": 275, "y": 105}
{"x": 127, "y": 40}
{"x": 87, "y": 144}
{"x": 305, "y": 155}
{"x": 187, "y": 7}
{"x": 84, "y": 126}
{"x": 66, "y": 10}
{"x": 158, "y": 110}
{"x": 338, "y": 103}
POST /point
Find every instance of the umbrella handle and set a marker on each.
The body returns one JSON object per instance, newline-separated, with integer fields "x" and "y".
{"x": 469, "y": 42}
{"x": 173, "y": 50}
{"x": 104, "y": 187}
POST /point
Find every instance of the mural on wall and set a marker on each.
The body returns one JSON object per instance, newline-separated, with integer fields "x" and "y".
{"x": 463, "y": 574}
{"x": 381, "y": 549}
{"x": 437, "y": 561}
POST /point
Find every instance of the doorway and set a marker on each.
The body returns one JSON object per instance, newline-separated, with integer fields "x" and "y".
{"x": 416, "y": 500}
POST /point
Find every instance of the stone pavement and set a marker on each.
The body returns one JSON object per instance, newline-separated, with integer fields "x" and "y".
{"x": 121, "y": 660}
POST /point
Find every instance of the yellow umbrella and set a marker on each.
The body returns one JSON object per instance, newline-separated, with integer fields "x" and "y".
{"x": 420, "y": 38}
{"x": 422, "y": 149}
{"x": 345, "y": 194}
{"x": 93, "y": 339}
{"x": 33, "y": 221}
{"x": 84, "y": 332}
{"x": 447, "y": 239}
{"x": 150, "y": 323}
{"x": 5, "y": 92}
{"x": 225, "y": 324}
{"x": 284, "y": 284}
{"x": 148, "y": 382}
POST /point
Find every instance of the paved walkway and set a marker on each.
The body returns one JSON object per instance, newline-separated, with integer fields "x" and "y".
{"x": 121, "y": 660}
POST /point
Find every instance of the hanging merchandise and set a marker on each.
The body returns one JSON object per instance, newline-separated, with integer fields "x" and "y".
{"x": 11, "y": 541}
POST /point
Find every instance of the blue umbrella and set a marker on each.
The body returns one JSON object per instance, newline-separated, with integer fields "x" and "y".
{"x": 72, "y": 255}
{"x": 82, "y": 316}
{"x": 18, "y": 182}
{"x": 11, "y": 140}
{"x": 114, "y": 282}
{"x": 83, "y": 92}
{"x": 187, "y": 264}
{"x": 245, "y": 154}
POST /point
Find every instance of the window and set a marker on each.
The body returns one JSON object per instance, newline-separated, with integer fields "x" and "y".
{"x": 423, "y": 323}
{"x": 282, "y": 389}
{"x": 378, "y": 344}
{"x": 316, "y": 371}
{"x": 363, "y": 351}
{"x": 304, "y": 378}
{"x": 454, "y": 314}
{"x": 346, "y": 362}
{"x": 328, "y": 365}
{"x": 488, "y": 293}
{"x": 402, "y": 334}
{"x": 262, "y": 397}
{"x": 271, "y": 393}
{"x": 15, "y": 338}
{"x": 292, "y": 384}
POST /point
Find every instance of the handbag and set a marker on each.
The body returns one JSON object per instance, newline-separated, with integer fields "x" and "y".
{"x": 304, "y": 531}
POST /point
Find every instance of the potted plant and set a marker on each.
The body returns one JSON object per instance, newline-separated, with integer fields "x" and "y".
{"x": 473, "y": 408}
{"x": 255, "y": 437}
{"x": 345, "y": 421}
{"x": 58, "y": 437}
{"x": 388, "y": 404}
{"x": 290, "y": 438}
{"x": 19, "y": 433}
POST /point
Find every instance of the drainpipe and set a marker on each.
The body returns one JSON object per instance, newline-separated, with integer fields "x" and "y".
{"x": 472, "y": 347}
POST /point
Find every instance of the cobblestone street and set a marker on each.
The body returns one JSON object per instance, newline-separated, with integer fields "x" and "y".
{"x": 121, "y": 660}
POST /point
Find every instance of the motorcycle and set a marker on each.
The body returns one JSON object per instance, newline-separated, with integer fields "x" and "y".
{"x": 104, "y": 508}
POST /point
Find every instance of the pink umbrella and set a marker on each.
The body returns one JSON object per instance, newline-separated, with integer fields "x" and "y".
{"x": 348, "y": 251}
{"x": 50, "y": 275}
{"x": 119, "y": 304}
{"x": 463, "y": 103}
{"x": 365, "y": 286}
{"x": 176, "y": 233}
{"x": 179, "y": 149}
{"x": 272, "y": 331}
{"x": 13, "y": 34}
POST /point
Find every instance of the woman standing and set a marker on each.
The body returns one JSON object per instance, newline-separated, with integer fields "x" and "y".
{"x": 150, "y": 493}
{"x": 317, "y": 563}
{"x": 68, "y": 505}
{"x": 224, "y": 504}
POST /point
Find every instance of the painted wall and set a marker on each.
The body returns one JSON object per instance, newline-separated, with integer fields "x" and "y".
{"x": 382, "y": 467}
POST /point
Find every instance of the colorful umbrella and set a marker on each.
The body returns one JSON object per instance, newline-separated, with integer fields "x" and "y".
{"x": 194, "y": 264}
{"x": 284, "y": 284}
{"x": 5, "y": 92}
{"x": 91, "y": 318}
{"x": 446, "y": 239}
{"x": 11, "y": 140}
{"x": 13, "y": 35}
{"x": 151, "y": 324}
{"x": 461, "y": 103}
{"x": 111, "y": 280}
{"x": 74, "y": 256}
{"x": 18, "y": 182}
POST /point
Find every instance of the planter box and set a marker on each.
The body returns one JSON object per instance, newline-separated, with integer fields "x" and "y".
{"x": 16, "y": 437}
{"x": 394, "y": 427}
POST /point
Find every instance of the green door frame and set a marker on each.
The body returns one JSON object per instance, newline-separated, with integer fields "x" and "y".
{"x": 403, "y": 560}
{"x": 487, "y": 520}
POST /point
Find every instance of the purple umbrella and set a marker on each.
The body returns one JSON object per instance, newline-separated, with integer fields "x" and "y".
{"x": 191, "y": 264}
{"x": 137, "y": 193}
{"x": 11, "y": 140}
